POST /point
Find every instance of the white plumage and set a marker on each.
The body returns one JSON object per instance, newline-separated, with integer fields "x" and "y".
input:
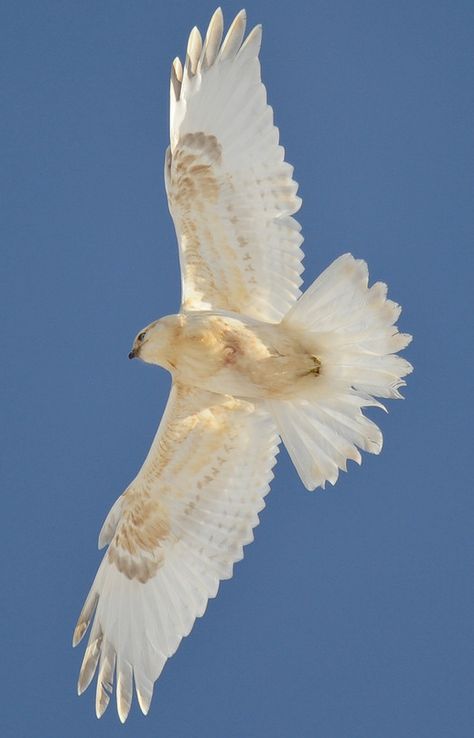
{"x": 212, "y": 503}
{"x": 252, "y": 361}
{"x": 242, "y": 230}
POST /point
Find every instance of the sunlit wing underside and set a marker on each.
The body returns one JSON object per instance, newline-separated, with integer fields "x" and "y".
{"x": 230, "y": 192}
{"x": 173, "y": 535}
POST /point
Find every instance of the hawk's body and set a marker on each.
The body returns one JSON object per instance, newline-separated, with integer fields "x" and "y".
{"x": 233, "y": 355}
{"x": 253, "y": 361}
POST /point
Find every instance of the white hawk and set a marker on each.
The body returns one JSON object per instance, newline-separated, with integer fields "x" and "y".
{"x": 253, "y": 361}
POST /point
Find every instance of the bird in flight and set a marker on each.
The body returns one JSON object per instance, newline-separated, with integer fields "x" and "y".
{"x": 253, "y": 362}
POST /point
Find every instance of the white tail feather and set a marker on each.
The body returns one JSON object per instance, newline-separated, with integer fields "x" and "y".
{"x": 351, "y": 329}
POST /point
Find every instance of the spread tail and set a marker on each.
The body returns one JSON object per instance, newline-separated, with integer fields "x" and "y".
{"x": 351, "y": 330}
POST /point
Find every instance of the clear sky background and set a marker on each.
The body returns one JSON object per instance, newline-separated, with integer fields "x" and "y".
{"x": 351, "y": 614}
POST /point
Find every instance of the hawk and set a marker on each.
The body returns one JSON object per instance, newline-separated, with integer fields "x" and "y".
{"x": 253, "y": 362}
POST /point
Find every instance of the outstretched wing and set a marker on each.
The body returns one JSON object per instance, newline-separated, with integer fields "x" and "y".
{"x": 174, "y": 533}
{"x": 230, "y": 192}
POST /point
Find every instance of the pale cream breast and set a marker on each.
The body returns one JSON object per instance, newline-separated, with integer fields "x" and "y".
{"x": 240, "y": 357}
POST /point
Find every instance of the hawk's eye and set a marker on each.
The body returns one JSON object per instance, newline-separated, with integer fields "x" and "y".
{"x": 141, "y": 336}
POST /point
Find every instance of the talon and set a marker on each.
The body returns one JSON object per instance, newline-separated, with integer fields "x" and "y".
{"x": 316, "y": 367}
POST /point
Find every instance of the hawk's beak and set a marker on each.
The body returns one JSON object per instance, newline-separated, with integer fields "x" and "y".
{"x": 132, "y": 354}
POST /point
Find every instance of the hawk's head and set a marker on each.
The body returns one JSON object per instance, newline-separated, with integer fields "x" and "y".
{"x": 153, "y": 344}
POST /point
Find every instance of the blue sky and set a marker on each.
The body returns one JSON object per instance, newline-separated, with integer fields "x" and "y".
{"x": 351, "y": 614}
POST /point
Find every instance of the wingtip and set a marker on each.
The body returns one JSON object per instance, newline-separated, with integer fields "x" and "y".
{"x": 234, "y": 37}
{"x": 85, "y": 617}
{"x": 178, "y": 68}
{"x": 144, "y": 701}
{"x": 123, "y": 709}
{"x": 176, "y": 78}
{"x": 81, "y": 684}
{"x": 216, "y": 22}
{"x": 193, "y": 51}
{"x": 240, "y": 19}
{"x": 122, "y": 716}
{"x": 194, "y": 36}
{"x": 252, "y": 44}
{"x": 101, "y": 702}
{"x": 99, "y": 711}
{"x": 79, "y": 632}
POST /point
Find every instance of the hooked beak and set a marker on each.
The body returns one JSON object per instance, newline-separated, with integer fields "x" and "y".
{"x": 132, "y": 354}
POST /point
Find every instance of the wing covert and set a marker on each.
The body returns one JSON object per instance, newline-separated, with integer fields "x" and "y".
{"x": 230, "y": 192}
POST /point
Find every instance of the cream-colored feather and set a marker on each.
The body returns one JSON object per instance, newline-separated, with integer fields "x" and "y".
{"x": 252, "y": 360}
{"x": 174, "y": 534}
{"x": 230, "y": 193}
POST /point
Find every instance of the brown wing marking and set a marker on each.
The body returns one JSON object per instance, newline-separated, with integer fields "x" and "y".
{"x": 197, "y": 188}
{"x": 137, "y": 548}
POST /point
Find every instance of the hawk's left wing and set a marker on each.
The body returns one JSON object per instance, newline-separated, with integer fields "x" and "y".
{"x": 230, "y": 192}
{"x": 174, "y": 533}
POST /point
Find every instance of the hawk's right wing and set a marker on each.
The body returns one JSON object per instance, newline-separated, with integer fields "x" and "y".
{"x": 175, "y": 532}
